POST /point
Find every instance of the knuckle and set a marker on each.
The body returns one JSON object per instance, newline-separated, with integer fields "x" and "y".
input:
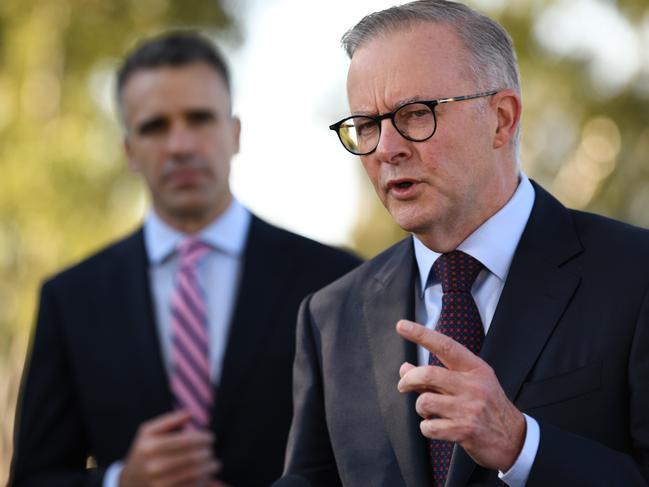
{"x": 200, "y": 456}
{"x": 479, "y": 389}
{"x": 428, "y": 374}
{"x": 462, "y": 433}
{"x": 488, "y": 374}
{"x": 424, "y": 404}
{"x": 431, "y": 429}
{"x": 150, "y": 468}
{"x": 446, "y": 345}
{"x": 426, "y": 429}
{"x": 141, "y": 432}
{"x": 475, "y": 409}
{"x": 147, "y": 448}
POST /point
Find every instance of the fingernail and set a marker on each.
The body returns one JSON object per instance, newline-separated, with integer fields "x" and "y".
{"x": 405, "y": 325}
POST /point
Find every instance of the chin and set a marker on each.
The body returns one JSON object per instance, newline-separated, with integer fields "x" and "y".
{"x": 190, "y": 209}
{"x": 408, "y": 217}
{"x": 411, "y": 225}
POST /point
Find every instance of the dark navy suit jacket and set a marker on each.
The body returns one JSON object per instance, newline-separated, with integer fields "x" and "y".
{"x": 96, "y": 370}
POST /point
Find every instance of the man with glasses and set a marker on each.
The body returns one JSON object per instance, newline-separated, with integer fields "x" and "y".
{"x": 530, "y": 365}
{"x": 150, "y": 356}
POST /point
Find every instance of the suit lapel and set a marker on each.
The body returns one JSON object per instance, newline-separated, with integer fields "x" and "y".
{"x": 262, "y": 282}
{"x": 136, "y": 332}
{"x": 533, "y": 300}
{"x": 388, "y": 298}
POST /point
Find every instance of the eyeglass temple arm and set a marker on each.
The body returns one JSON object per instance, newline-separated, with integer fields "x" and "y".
{"x": 466, "y": 97}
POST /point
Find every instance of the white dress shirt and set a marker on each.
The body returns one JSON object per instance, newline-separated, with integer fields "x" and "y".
{"x": 493, "y": 244}
{"x": 219, "y": 274}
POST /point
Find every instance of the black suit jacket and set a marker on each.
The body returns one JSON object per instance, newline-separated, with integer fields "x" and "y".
{"x": 569, "y": 342}
{"x": 96, "y": 371}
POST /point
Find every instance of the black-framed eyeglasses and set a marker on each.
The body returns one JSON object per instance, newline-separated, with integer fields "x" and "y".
{"x": 415, "y": 121}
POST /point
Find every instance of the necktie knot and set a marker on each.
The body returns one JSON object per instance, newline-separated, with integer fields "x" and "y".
{"x": 457, "y": 271}
{"x": 191, "y": 251}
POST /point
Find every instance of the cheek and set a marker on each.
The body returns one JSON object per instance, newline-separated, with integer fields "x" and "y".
{"x": 373, "y": 173}
{"x": 372, "y": 170}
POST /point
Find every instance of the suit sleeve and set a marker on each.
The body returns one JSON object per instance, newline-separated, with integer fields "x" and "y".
{"x": 567, "y": 459}
{"x": 50, "y": 444}
{"x": 309, "y": 453}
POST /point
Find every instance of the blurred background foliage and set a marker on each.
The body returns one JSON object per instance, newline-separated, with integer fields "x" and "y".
{"x": 65, "y": 191}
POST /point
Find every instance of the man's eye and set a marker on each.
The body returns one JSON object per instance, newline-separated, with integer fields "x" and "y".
{"x": 365, "y": 129}
{"x": 200, "y": 117}
{"x": 420, "y": 113}
{"x": 153, "y": 127}
{"x": 415, "y": 113}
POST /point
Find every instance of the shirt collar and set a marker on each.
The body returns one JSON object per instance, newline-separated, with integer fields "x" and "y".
{"x": 494, "y": 242}
{"x": 227, "y": 233}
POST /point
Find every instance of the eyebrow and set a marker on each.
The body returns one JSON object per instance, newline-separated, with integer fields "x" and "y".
{"x": 160, "y": 121}
{"x": 156, "y": 121}
{"x": 395, "y": 106}
{"x": 201, "y": 113}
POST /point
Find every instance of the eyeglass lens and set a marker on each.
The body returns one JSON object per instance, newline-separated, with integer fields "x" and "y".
{"x": 414, "y": 121}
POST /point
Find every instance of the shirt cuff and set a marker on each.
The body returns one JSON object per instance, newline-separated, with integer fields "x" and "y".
{"x": 517, "y": 475}
{"x": 111, "y": 477}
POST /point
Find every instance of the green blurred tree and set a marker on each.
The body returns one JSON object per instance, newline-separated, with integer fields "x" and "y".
{"x": 64, "y": 189}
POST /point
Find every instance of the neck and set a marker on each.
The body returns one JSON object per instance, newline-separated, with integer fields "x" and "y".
{"x": 191, "y": 222}
{"x": 446, "y": 235}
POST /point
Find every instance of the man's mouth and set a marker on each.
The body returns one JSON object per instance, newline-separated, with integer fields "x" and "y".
{"x": 401, "y": 183}
{"x": 185, "y": 176}
{"x": 403, "y": 188}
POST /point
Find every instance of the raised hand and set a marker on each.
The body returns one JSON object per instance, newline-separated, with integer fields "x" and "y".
{"x": 463, "y": 401}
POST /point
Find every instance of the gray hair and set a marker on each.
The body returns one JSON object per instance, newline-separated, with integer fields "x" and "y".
{"x": 493, "y": 64}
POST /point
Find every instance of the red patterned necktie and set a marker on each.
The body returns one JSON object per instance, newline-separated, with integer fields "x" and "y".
{"x": 190, "y": 374}
{"x": 459, "y": 319}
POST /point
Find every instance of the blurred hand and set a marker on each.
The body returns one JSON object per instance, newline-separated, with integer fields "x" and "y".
{"x": 464, "y": 402}
{"x": 166, "y": 454}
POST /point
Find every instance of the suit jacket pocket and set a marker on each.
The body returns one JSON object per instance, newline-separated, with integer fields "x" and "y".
{"x": 559, "y": 388}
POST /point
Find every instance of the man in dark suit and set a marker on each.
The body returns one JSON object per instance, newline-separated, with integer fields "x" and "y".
{"x": 116, "y": 372}
{"x": 531, "y": 362}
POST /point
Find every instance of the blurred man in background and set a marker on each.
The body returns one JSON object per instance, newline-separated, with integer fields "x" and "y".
{"x": 528, "y": 307}
{"x": 166, "y": 358}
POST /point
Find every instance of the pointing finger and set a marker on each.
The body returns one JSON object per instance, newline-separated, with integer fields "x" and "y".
{"x": 453, "y": 355}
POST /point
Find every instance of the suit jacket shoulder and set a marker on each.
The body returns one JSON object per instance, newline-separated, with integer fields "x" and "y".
{"x": 129, "y": 250}
{"x": 276, "y": 242}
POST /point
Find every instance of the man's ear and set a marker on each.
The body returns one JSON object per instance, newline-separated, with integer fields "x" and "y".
{"x": 131, "y": 161}
{"x": 236, "y": 134}
{"x": 508, "y": 106}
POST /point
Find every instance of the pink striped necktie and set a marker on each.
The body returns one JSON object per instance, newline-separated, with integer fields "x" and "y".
{"x": 190, "y": 374}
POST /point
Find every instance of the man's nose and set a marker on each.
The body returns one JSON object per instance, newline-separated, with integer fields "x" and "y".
{"x": 392, "y": 146}
{"x": 181, "y": 140}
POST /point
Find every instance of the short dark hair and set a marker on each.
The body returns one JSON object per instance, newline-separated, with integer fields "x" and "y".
{"x": 173, "y": 49}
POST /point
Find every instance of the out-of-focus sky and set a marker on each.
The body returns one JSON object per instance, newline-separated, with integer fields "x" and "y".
{"x": 289, "y": 85}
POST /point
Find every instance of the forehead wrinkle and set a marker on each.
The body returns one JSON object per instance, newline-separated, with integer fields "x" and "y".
{"x": 380, "y": 93}
{"x": 380, "y": 82}
{"x": 392, "y": 107}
